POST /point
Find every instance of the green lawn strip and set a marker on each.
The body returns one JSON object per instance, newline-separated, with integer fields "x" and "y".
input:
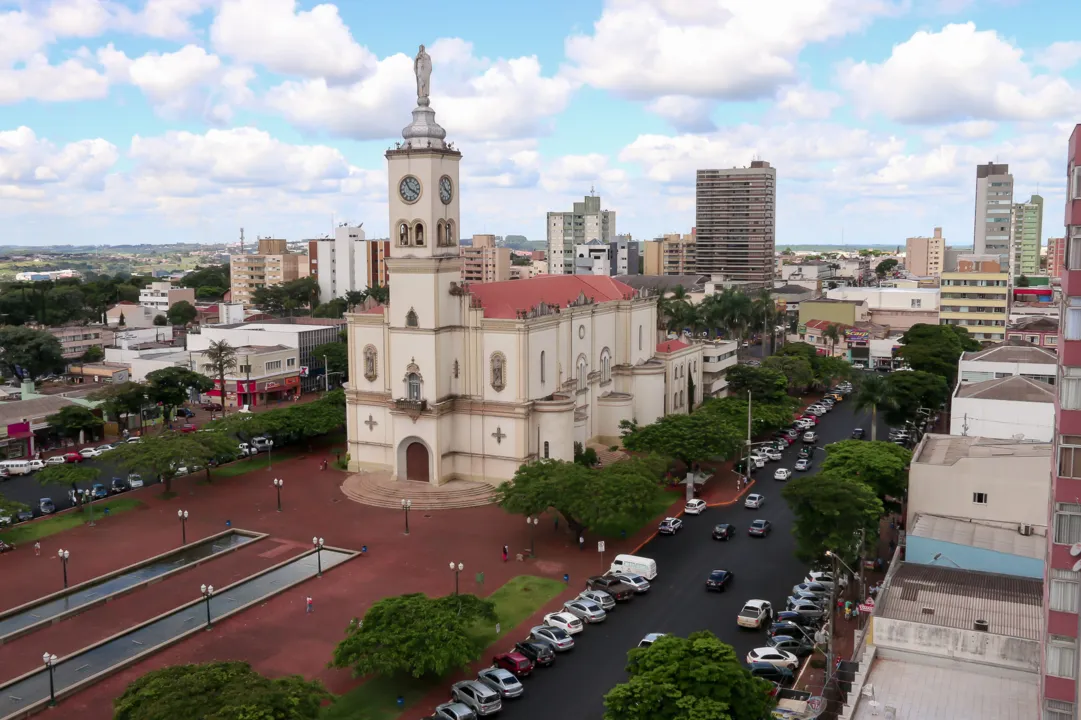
{"x": 44, "y": 527}
{"x": 377, "y": 698}
{"x": 662, "y": 500}
{"x": 257, "y": 462}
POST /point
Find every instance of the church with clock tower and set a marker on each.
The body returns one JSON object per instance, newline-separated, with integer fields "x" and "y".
{"x": 468, "y": 382}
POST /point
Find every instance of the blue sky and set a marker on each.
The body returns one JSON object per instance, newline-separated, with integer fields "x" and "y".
{"x": 183, "y": 120}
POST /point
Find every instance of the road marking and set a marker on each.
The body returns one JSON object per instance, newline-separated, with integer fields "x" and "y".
{"x": 82, "y": 667}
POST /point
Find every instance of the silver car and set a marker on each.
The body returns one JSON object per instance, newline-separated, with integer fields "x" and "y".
{"x": 809, "y": 596}
{"x": 557, "y": 638}
{"x": 806, "y": 608}
{"x": 639, "y": 583}
{"x": 600, "y": 597}
{"x": 816, "y": 589}
{"x": 480, "y": 698}
{"x": 454, "y": 711}
{"x": 502, "y": 681}
{"x": 585, "y": 610}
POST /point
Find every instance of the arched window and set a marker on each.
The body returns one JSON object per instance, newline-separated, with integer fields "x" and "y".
{"x": 440, "y": 233}
{"x": 542, "y": 367}
{"x": 418, "y": 234}
{"x": 675, "y": 400}
{"x": 411, "y": 318}
{"x": 412, "y": 382}
{"x": 582, "y": 372}
{"x": 403, "y": 234}
{"x": 450, "y": 232}
{"x": 606, "y": 365}
{"x": 545, "y": 448}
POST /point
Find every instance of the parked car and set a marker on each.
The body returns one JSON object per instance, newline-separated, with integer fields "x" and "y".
{"x": 778, "y": 658}
{"x": 89, "y": 452}
{"x": 99, "y": 491}
{"x": 135, "y": 480}
{"x": 556, "y": 637}
{"x": 262, "y": 444}
{"x": 718, "y": 580}
{"x": 454, "y": 711}
{"x": 134, "y": 440}
{"x": 188, "y": 428}
{"x": 73, "y": 457}
{"x": 724, "y": 531}
{"x": 107, "y": 447}
{"x": 600, "y": 597}
{"x": 24, "y": 516}
{"x": 786, "y": 628}
{"x": 670, "y": 526}
{"x": 758, "y": 461}
{"x": 55, "y": 460}
{"x": 803, "y": 464}
{"x": 754, "y": 500}
{"x": 513, "y": 662}
{"x": 773, "y": 454}
{"x": 480, "y": 698}
{"x": 118, "y": 485}
{"x": 816, "y": 589}
{"x": 804, "y": 595}
{"x": 766, "y": 671}
{"x": 211, "y": 407}
{"x": 585, "y": 610}
{"x": 805, "y": 452}
{"x": 46, "y": 506}
{"x": 650, "y": 639}
{"x": 810, "y": 436}
{"x": 639, "y": 583}
{"x": 695, "y": 507}
{"x": 760, "y": 528}
{"x": 502, "y": 681}
{"x": 184, "y": 413}
{"x": 807, "y": 608}
{"x": 755, "y": 614}
{"x": 820, "y": 577}
{"x": 798, "y": 646}
{"x": 540, "y": 653}
{"x": 619, "y": 590}
{"x": 782, "y": 474}
{"x": 798, "y": 619}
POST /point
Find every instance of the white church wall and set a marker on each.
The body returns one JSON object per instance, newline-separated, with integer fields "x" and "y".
{"x": 450, "y": 348}
{"x": 611, "y": 410}
{"x": 370, "y": 445}
{"x": 557, "y": 429}
{"x": 360, "y": 337}
{"x": 542, "y": 341}
{"x": 648, "y": 397}
{"x": 643, "y": 328}
{"x": 507, "y": 344}
{"x": 412, "y": 291}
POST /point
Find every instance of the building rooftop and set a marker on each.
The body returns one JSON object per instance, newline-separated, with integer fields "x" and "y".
{"x": 256, "y": 349}
{"x": 278, "y": 326}
{"x": 690, "y": 283}
{"x": 934, "y": 689}
{"x": 1013, "y": 351}
{"x": 953, "y": 598}
{"x": 18, "y": 411}
{"x": 791, "y": 290}
{"x": 836, "y": 300}
{"x": 671, "y": 346}
{"x": 978, "y": 535}
{"x": 937, "y": 449}
{"x": 1016, "y": 388}
{"x": 1037, "y": 323}
{"x": 505, "y": 299}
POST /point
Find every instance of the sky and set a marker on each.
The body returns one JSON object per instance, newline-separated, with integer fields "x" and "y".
{"x": 152, "y": 121}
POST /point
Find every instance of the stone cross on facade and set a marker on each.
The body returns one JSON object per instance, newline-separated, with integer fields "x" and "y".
{"x": 371, "y": 423}
{"x": 499, "y": 435}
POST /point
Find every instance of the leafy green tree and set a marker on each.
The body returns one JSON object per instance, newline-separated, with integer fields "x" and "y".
{"x": 161, "y": 320}
{"x": 886, "y": 266}
{"x": 209, "y": 292}
{"x": 162, "y": 455}
{"x": 127, "y": 293}
{"x": 797, "y": 371}
{"x": 10, "y": 507}
{"x": 882, "y": 466}
{"x": 873, "y": 394}
{"x": 337, "y": 355}
{"x": 333, "y": 309}
{"x": 414, "y": 635}
{"x": 212, "y": 275}
{"x": 27, "y": 353}
{"x": 833, "y": 333}
{"x": 219, "y": 359}
{"x": 913, "y": 390}
{"x": 74, "y": 421}
{"x": 693, "y": 678}
{"x": 219, "y": 691}
{"x": 830, "y": 512}
{"x": 829, "y": 370}
{"x": 172, "y": 386}
{"x": 122, "y": 400}
{"x": 181, "y": 313}
{"x": 764, "y": 384}
{"x": 69, "y": 474}
{"x": 936, "y": 349}
{"x": 379, "y": 293}
{"x": 354, "y": 299}
{"x": 290, "y": 423}
{"x": 93, "y": 354}
{"x": 690, "y": 438}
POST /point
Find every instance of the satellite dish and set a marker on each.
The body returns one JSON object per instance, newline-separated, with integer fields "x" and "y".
{"x": 1077, "y": 566}
{"x": 1075, "y": 549}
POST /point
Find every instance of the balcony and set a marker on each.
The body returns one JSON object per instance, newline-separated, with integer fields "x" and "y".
{"x": 410, "y": 406}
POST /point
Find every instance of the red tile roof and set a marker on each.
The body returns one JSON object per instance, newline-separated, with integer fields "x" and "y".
{"x": 823, "y": 324}
{"x": 504, "y": 299}
{"x": 671, "y": 346}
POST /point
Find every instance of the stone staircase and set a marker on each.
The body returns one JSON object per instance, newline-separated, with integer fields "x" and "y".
{"x": 381, "y": 490}
{"x": 606, "y": 457}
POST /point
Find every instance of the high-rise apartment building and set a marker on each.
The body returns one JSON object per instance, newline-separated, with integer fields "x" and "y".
{"x": 585, "y": 223}
{"x": 1025, "y": 237}
{"x": 484, "y": 262}
{"x": 735, "y": 213}
{"x": 976, "y": 297}
{"x": 624, "y": 255}
{"x": 924, "y": 256}
{"x": 672, "y": 254}
{"x": 271, "y": 264}
{"x": 994, "y": 208}
{"x": 1056, "y": 256}
{"x": 1062, "y": 582}
{"x": 347, "y": 262}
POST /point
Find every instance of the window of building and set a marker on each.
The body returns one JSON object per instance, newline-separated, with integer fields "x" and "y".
{"x": 413, "y": 386}
{"x": 542, "y": 367}
{"x": 1076, "y": 189}
{"x": 1065, "y": 590}
{"x": 1062, "y": 656}
{"x": 1070, "y": 389}
{"x": 582, "y": 372}
{"x": 916, "y": 303}
{"x": 979, "y": 498}
{"x": 245, "y": 369}
{"x": 1058, "y": 710}
{"x": 411, "y": 318}
{"x": 1069, "y": 456}
{"x": 606, "y": 365}
{"x": 1072, "y": 328}
{"x": 545, "y": 448}
{"x": 675, "y": 400}
{"x": 418, "y": 234}
{"x": 403, "y": 234}
{"x": 1073, "y": 252}
{"x": 1067, "y": 523}
{"x": 291, "y": 362}
{"x": 274, "y": 365}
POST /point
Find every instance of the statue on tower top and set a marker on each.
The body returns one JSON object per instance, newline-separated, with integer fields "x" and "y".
{"x": 422, "y": 66}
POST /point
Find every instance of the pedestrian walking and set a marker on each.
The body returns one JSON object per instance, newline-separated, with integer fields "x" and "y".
{"x": 37, "y": 549}
{"x": 856, "y": 613}
{"x": 848, "y": 611}
{"x": 892, "y": 546}
{"x": 581, "y": 542}
{"x": 557, "y": 522}
{"x": 308, "y": 605}
{"x": 506, "y": 553}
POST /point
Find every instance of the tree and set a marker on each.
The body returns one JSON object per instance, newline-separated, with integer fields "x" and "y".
{"x": 161, "y": 320}
{"x": 1023, "y": 281}
{"x": 71, "y": 475}
{"x": 122, "y": 321}
{"x": 797, "y": 371}
{"x": 181, "y": 313}
{"x": 690, "y": 438}
{"x": 873, "y": 394}
{"x": 220, "y": 360}
{"x": 913, "y": 391}
{"x": 213, "y": 275}
{"x": 834, "y": 334}
{"x": 122, "y": 399}
{"x": 936, "y": 349}
{"x": 886, "y": 266}
{"x": 693, "y": 678}
{"x": 830, "y": 511}
{"x": 830, "y": 369}
{"x": 333, "y": 309}
{"x": 172, "y": 386}
{"x": 354, "y": 299}
{"x": 29, "y": 354}
{"x": 74, "y": 421}
{"x": 621, "y": 493}
{"x": 764, "y": 384}
{"x": 337, "y": 355}
{"x": 219, "y": 691}
{"x": 162, "y": 455}
{"x": 209, "y": 292}
{"x": 290, "y": 423}
{"x": 379, "y": 293}
{"x": 127, "y": 293}
{"x": 882, "y": 466}
{"x": 414, "y": 635}
{"x": 93, "y": 354}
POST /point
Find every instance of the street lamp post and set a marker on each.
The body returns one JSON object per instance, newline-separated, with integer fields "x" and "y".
{"x": 326, "y": 374}
{"x": 183, "y": 515}
{"x": 207, "y": 591}
{"x": 532, "y": 522}
{"x": 64, "y": 555}
{"x": 457, "y": 569}
{"x": 406, "y": 504}
{"x": 50, "y": 663}
{"x": 318, "y": 543}
{"x": 278, "y": 482}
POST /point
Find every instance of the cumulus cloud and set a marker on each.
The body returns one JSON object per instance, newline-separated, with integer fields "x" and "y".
{"x": 804, "y": 101}
{"x": 39, "y": 80}
{"x": 28, "y": 162}
{"x": 1059, "y": 56}
{"x": 960, "y": 73}
{"x": 686, "y": 114}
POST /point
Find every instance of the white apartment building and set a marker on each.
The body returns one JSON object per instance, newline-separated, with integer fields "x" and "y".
{"x": 342, "y": 262}
{"x": 717, "y": 357}
{"x": 1014, "y": 407}
{"x": 896, "y": 308}
{"x": 994, "y": 210}
{"x": 585, "y": 223}
{"x": 1007, "y": 359}
{"x": 592, "y": 259}
{"x": 163, "y": 295}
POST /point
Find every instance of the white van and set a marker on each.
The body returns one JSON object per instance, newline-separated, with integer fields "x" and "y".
{"x": 17, "y": 467}
{"x": 633, "y": 564}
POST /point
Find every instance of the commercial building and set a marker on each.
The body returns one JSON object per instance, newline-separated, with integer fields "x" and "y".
{"x": 896, "y": 308}
{"x": 483, "y": 261}
{"x": 1011, "y": 407}
{"x": 735, "y": 221}
{"x": 75, "y": 340}
{"x": 1056, "y": 256}
{"x": 994, "y": 208}
{"x": 841, "y": 312}
{"x": 264, "y": 374}
{"x": 593, "y": 258}
{"x": 817, "y": 270}
{"x": 129, "y": 314}
{"x": 624, "y": 256}
{"x": 347, "y": 262}
{"x": 924, "y": 256}
{"x": 1026, "y": 236}
{"x": 163, "y": 295}
{"x": 272, "y": 264}
{"x": 717, "y": 357}
{"x": 585, "y": 223}
{"x": 976, "y": 297}
{"x": 1007, "y": 359}
{"x": 1039, "y": 330}
{"x": 46, "y": 275}
{"x": 103, "y": 372}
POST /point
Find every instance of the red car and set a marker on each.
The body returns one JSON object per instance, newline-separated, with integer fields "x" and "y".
{"x": 188, "y": 428}
{"x": 211, "y": 406}
{"x": 73, "y": 457}
{"x": 810, "y": 416}
{"x": 515, "y": 663}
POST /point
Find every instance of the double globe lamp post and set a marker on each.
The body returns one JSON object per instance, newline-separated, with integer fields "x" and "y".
{"x": 64, "y": 555}
{"x": 456, "y": 568}
{"x": 207, "y": 591}
{"x": 406, "y": 504}
{"x": 50, "y": 663}
{"x": 532, "y": 522}
{"x": 278, "y": 482}
{"x": 183, "y": 516}
{"x": 317, "y": 542}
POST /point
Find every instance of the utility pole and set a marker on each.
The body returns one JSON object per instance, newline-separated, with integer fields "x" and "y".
{"x": 747, "y": 467}
{"x": 964, "y": 426}
{"x": 863, "y": 544}
{"x": 832, "y": 624}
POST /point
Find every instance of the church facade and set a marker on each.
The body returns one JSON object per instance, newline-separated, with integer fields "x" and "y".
{"x": 468, "y": 382}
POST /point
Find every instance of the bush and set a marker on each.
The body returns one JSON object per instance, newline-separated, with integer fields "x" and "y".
{"x": 342, "y": 463}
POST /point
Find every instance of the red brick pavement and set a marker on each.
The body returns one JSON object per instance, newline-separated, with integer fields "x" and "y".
{"x": 277, "y": 637}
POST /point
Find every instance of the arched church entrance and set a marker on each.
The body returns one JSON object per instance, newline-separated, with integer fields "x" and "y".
{"x": 416, "y": 462}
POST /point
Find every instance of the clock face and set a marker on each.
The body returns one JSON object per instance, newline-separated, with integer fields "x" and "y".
{"x": 409, "y": 189}
{"x": 446, "y": 190}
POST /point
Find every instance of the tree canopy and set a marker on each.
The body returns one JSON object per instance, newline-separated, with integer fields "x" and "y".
{"x": 912, "y": 390}
{"x": 72, "y": 420}
{"x": 29, "y": 354}
{"x": 289, "y": 423}
{"x": 219, "y": 691}
{"x": 881, "y": 465}
{"x": 690, "y": 438}
{"x": 172, "y": 386}
{"x": 181, "y": 313}
{"x": 886, "y": 266}
{"x": 936, "y": 349}
{"x": 414, "y": 635}
{"x": 216, "y": 276}
{"x": 830, "y": 511}
{"x": 121, "y": 400}
{"x": 797, "y": 370}
{"x": 337, "y": 355}
{"x": 163, "y": 454}
{"x": 764, "y": 384}
{"x": 693, "y": 678}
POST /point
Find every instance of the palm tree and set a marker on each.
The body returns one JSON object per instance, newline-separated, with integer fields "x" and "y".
{"x": 712, "y": 312}
{"x": 873, "y": 393}
{"x": 764, "y": 312}
{"x": 833, "y": 334}
{"x": 736, "y": 312}
{"x": 672, "y": 309}
{"x": 220, "y": 359}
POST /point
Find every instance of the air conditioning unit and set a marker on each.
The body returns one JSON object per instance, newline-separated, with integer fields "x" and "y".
{"x": 1025, "y": 529}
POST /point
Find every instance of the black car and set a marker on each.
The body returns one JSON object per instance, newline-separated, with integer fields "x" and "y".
{"x": 798, "y": 646}
{"x": 724, "y": 531}
{"x": 857, "y": 434}
{"x": 718, "y": 580}
{"x": 184, "y": 412}
{"x": 24, "y": 516}
{"x": 119, "y": 485}
{"x": 797, "y": 618}
{"x": 766, "y": 671}
{"x": 541, "y": 653}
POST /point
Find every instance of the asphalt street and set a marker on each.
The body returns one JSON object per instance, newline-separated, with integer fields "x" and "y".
{"x": 26, "y": 488}
{"x": 678, "y": 603}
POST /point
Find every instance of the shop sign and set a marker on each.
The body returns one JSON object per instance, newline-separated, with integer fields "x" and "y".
{"x": 292, "y": 381}
{"x": 857, "y": 336}
{"x": 274, "y": 385}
